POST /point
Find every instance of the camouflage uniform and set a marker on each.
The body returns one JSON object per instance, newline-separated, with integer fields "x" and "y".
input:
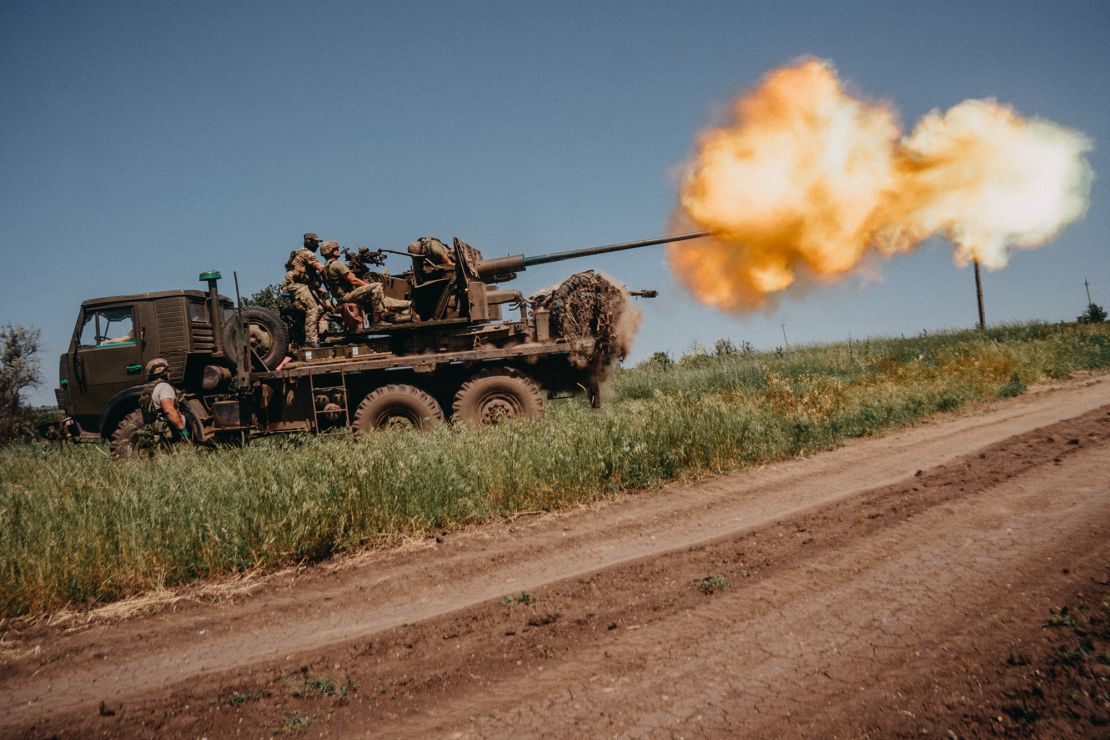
{"x": 431, "y": 258}
{"x": 372, "y": 294}
{"x": 297, "y": 282}
{"x": 432, "y": 248}
{"x": 157, "y": 430}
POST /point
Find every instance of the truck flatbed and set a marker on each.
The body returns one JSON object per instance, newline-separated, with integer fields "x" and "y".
{"x": 341, "y": 359}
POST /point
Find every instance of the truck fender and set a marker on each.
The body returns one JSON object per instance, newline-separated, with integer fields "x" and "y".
{"x": 121, "y": 404}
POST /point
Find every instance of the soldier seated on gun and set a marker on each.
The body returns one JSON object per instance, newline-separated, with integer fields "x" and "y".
{"x": 158, "y": 403}
{"x": 349, "y": 289}
{"x": 302, "y": 281}
{"x": 431, "y": 258}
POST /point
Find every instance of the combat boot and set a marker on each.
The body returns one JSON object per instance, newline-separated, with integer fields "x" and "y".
{"x": 397, "y": 317}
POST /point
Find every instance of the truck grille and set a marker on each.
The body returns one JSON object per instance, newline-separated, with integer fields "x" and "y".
{"x": 172, "y": 336}
{"x": 171, "y": 326}
{"x": 204, "y": 339}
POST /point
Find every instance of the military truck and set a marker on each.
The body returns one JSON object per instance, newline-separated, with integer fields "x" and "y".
{"x": 460, "y": 357}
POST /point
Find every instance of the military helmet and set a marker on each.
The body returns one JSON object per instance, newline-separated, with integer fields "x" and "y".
{"x": 156, "y": 367}
{"x": 329, "y": 247}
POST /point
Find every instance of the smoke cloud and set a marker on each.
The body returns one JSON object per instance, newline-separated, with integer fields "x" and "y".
{"x": 806, "y": 180}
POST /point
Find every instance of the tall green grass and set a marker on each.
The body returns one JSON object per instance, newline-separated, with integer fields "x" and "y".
{"x": 76, "y": 527}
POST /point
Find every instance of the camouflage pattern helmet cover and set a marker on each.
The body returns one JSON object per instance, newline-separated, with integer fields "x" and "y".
{"x": 329, "y": 247}
{"x": 157, "y": 366}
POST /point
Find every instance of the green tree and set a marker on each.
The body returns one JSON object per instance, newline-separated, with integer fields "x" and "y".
{"x": 725, "y": 348}
{"x": 658, "y": 361}
{"x": 19, "y": 370}
{"x": 269, "y": 297}
{"x": 1095, "y": 314}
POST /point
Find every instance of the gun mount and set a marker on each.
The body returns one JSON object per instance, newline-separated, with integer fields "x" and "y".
{"x": 466, "y": 290}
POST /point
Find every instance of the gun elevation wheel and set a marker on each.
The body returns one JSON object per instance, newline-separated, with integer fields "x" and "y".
{"x": 397, "y": 406}
{"x": 498, "y": 395}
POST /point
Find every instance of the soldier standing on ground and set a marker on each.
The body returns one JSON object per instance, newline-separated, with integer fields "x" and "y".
{"x": 349, "y": 289}
{"x": 303, "y": 271}
{"x": 160, "y": 412}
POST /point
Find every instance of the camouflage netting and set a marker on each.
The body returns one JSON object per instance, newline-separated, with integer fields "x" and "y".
{"x": 589, "y": 304}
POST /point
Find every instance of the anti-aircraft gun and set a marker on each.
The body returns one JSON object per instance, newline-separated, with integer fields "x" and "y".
{"x": 469, "y": 292}
{"x": 460, "y": 360}
{"x": 565, "y": 338}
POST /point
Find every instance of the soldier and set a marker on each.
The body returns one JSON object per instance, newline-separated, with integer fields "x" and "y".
{"x": 158, "y": 403}
{"x": 430, "y": 258}
{"x": 349, "y": 289}
{"x": 304, "y": 272}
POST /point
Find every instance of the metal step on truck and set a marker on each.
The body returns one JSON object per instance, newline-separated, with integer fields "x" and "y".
{"x": 459, "y": 358}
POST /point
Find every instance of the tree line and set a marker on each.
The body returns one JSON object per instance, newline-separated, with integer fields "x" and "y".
{"x": 19, "y": 370}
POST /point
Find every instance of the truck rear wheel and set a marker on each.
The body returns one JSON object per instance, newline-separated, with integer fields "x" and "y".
{"x": 397, "y": 406}
{"x": 266, "y": 332}
{"x": 498, "y": 395}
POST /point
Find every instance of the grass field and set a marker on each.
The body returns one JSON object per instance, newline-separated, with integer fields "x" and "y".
{"x": 77, "y": 528}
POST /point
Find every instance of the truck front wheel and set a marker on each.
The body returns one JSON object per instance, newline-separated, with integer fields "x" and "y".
{"x": 498, "y": 395}
{"x": 128, "y": 439}
{"x": 397, "y": 406}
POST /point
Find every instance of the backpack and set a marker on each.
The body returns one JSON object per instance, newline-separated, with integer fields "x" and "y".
{"x": 146, "y": 402}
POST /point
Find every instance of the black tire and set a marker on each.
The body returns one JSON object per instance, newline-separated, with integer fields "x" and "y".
{"x": 397, "y": 406}
{"x": 269, "y": 337}
{"x": 498, "y": 395}
{"x": 123, "y": 442}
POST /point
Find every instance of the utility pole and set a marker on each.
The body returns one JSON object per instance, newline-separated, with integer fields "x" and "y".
{"x": 1088, "y": 287}
{"x": 979, "y": 296}
{"x": 785, "y": 344}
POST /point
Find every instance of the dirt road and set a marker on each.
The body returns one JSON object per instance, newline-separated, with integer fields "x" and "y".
{"x": 895, "y": 585}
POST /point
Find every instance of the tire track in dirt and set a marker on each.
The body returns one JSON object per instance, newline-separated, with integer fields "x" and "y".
{"x": 84, "y": 669}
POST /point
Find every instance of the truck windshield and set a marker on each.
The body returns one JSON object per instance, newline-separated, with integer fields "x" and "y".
{"x": 108, "y": 327}
{"x": 198, "y": 312}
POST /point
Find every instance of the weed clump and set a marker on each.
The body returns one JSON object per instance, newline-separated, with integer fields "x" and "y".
{"x": 240, "y": 697}
{"x": 711, "y": 584}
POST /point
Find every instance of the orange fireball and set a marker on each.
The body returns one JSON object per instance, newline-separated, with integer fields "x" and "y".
{"x": 806, "y": 180}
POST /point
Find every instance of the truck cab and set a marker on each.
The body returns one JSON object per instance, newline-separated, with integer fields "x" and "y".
{"x": 101, "y": 375}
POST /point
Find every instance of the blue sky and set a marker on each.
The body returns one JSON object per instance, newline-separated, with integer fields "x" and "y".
{"x": 142, "y": 143}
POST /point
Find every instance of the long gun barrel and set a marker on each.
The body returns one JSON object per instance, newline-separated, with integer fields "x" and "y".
{"x": 502, "y": 266}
